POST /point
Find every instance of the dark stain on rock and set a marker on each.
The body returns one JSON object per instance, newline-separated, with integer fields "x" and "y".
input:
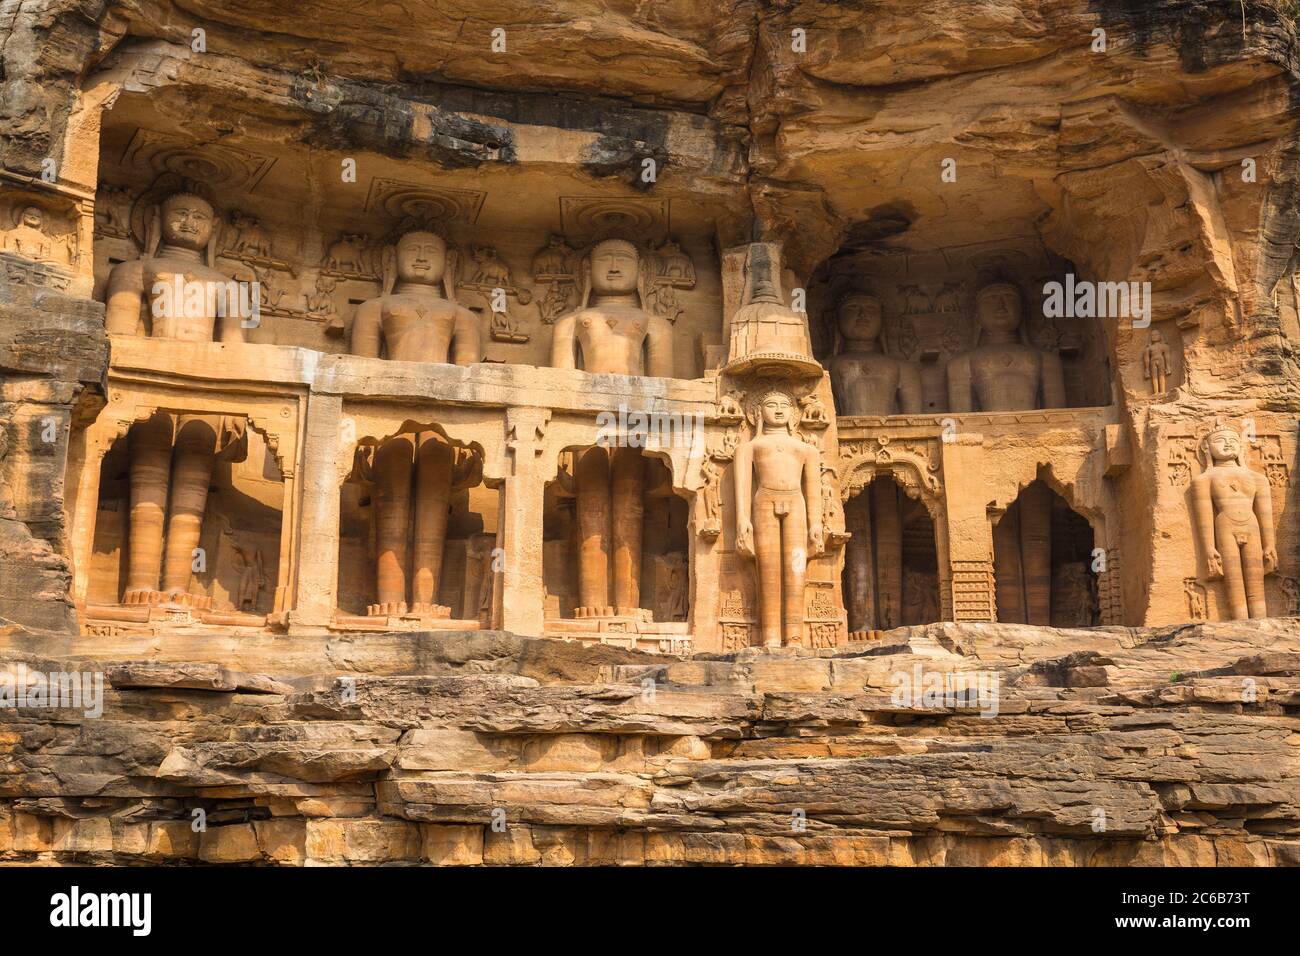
{"x": 354, "y": 116}
{"x": 1206, "y": 33}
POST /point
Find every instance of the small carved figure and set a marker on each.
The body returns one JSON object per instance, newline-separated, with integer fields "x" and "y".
{"x": 553, "y": 262}
{"x": 780, "y": 522}
{"x": 29, "y": 237}
{"x": 1233, "y": 508}
{"x": 812, "y": 412}
{"x": 915, "y": 301}
{"x": 347, "y": 254}
{"x": 711, "y": 494}
{"x": 250, "y": 238}
{"x": 113, "y": 210}
{"x": 248, "y": 563}
{"x": 1155, "y": 362}
{"x": 490, "y": 270}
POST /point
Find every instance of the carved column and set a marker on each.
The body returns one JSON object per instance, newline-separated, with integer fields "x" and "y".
{"x": 522, "y": 594}
{"x": 318, "y": 550}
{"x": 970, "y": 539}
{"x": 86, "y": 454}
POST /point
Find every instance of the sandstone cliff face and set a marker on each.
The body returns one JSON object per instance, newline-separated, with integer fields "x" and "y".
{"x": 1060, "y": 748}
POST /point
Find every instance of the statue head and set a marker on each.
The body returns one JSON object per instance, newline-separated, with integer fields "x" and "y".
{"x": 1223, "y": 444}
{"x": 33, "y": 217}
{"x": 1156, "y": 337}
{"x": 187, "y": 221}
{"x": 615, "y": 266}
{"x": 998, "y": 308}
{"x": 860, "y": 317}
{"x": 421, "y": 258}
{"x": 774, "y": 408}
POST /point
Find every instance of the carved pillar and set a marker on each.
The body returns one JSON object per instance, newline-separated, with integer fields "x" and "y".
{"x": 970, "y": 539}
{"x": 860, "y": 560}
{"x": 522, "y": 596}
{"x": 1036, "y": 552}
{"x": 322, "y": 473}
{"x": 86, "y": 458}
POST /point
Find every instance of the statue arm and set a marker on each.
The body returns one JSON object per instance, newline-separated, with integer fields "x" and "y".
{"x": 467, "y": 347}
{"x": 743, "y": 465}
{"x": 125, "y": 290}
{"x": 562, "y": 342}
{"x": 232, "y": 329}
{"x": 1264, "y": 514}
{"x": 909, "y": 389}
{"x": 812, "y": 494}
{"x": 835, "y": 367}
{"x": 959, "y": 396}
{"x": 1203, "y": 512}
{"x": 1053, "y": 381}
{"x": 365, "y": 329}
{"x": 1146, "y": 363}
{"x": 659, "y": 357}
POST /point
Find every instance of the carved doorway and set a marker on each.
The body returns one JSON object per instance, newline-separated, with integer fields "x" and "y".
{"x": 1042, "y": 568}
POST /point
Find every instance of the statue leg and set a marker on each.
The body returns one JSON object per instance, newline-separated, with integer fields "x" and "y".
{"x": 794, "y": 545}
{"x": 591, "y": 479}
{"x": 151, "y": 457}
{"x": 1036, "y": 552}
{"x": 1234, "y": 584}
{"x": 888, "y": 526}
{"x": 432, "y": 506}
{"x": 196, "y": 443}
{"x": 1007, "y": 579}
{"x": 627, "y": 468}
{"x": 392, "y": 473}
{"x": 1252, "y": 575}
{"x": 858, "y": 562}
{"x": 768, "y": 559}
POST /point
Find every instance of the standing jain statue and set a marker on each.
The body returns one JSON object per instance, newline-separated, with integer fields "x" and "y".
{"x": 865, "y": 380}
{"x": 179, "y": 248}
{"x": 1233, "y": 509}
{"x": 779, "y": 512}
{"x": 416, "y": 319}
{"x": 610, "y": 332}
{"x": 1004, "y": 373}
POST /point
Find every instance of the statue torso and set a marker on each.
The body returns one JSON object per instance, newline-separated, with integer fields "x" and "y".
{"x": 611, "y": 338}
{"x": 179, "y": 324}
{"x": 1233, "y": 490}
{"x": 865, "y": 383}
{"x": 418, "y": 327}
{"x": 1005, "y": 377}
{"x": 779, "y": 462}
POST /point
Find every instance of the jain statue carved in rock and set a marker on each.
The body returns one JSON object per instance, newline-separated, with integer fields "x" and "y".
{"x": 866, "y": 381}
{"x": 1003, "y": 373}
{"x": 417, "y": 318}
{"x": 1233, "y": 509}
{"x": 779, "y": 513}
{"x": 180, "y": 244}
{"x": 611, "y": 328}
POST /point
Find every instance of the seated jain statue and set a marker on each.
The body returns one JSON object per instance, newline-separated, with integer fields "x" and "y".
{"x": 865, "y": 380}
{"x": 610, "y": 331}
{"x": 1003, "y": 373}
{"x": 1233, "y": 508}
{"x": 611, "y": 328}
{"x": 180, "y": 248}
{"x": 417, "y": 319}
{"x": 778, "y": 513}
